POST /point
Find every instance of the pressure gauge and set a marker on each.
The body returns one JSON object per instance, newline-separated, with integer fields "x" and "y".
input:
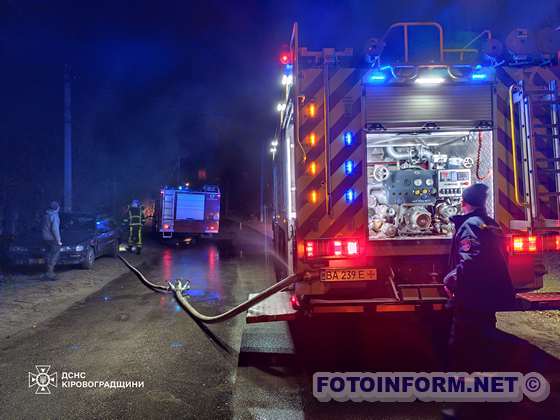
{"x": 429, "y": 182}
{"x": 417, "y": 182}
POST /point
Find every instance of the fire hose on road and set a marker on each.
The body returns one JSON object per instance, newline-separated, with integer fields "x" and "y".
{"x": 178, "y": 287}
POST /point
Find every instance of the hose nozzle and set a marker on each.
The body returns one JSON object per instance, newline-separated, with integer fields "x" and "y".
{"x": 179, "y": 286}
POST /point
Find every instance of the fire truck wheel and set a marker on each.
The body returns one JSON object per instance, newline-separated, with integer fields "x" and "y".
{"x": 89, "y": 259}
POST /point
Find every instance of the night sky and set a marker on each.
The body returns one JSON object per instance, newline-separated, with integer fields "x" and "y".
{"x": 155, "y": 81}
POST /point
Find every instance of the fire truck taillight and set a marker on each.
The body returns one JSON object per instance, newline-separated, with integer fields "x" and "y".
{"x": 166, "y": 226}
{"x": 551, "y": 243}
{"x": 338, "y": 248}
{"x": 352, "y": 248}
{"x": 295, "y": 302}
{"x": 525, "y": 244}
{"x": 309, "y": 249}
{"x": 533, "y": 244}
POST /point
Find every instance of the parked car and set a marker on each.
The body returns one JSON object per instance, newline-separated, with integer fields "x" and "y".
{"x": 85, "y": 237}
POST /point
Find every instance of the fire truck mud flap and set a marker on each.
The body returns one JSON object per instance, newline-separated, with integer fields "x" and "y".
{"x": 538, "y": 301}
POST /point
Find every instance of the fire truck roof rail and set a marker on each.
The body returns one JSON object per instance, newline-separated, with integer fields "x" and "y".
{"x": 406, "y": 26}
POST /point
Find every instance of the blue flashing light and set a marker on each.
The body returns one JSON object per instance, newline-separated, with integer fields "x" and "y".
{"x": 350, "y": 195}
{"x": 377, "y": 77}
{"x": 195, "y": 292}
{"x": 348, "y": 138}
{"x": 348, "y": 167}
{"x": 479, "y": 76}
{"x": 288, "y": 69}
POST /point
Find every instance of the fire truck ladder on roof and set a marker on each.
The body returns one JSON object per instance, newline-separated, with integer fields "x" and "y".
{"x": 543, "y": 103}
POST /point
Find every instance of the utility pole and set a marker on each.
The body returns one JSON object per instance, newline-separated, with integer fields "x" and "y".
{"x": 67, "y": 139}
{"x": 261, "y": 187}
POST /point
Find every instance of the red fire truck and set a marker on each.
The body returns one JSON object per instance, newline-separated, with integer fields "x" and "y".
{"x": 181, "y": 212}
{"x": 373, "y": 154}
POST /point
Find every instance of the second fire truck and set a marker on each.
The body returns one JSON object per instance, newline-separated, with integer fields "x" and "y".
{"x": 183, "y": 213}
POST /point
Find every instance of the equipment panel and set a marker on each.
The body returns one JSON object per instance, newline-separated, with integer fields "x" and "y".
{"x": 415, "y": 180}
{"x": 412, "y": 186}
{"x": 451, "y": 183}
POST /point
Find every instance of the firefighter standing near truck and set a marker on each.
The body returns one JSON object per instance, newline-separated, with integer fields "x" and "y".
{"x": 135, "y": 221}
{"x": 478, "y": 284}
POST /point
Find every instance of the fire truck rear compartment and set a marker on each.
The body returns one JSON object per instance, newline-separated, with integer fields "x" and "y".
{"x": 415, "y": 180}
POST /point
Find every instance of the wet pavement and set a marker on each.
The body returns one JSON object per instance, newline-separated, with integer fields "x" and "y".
{"x": 125, "y": 332}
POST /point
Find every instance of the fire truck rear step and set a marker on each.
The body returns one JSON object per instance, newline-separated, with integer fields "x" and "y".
{"x": 428, "y": 292}
{"x": 268, "y": 344}
{"x": 539, "y": 301}
{"x": 275, "y": 308}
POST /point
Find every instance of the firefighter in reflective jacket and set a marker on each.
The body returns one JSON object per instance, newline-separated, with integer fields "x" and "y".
{"x": 135, "y": 222}
{"x": 478, "y": 284}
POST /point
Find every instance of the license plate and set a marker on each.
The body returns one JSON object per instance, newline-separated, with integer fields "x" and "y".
{"x": 349, "y": 274}
{"x": 36, "y": 261}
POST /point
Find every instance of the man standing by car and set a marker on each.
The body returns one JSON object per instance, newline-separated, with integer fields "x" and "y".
{"x": 51, "y": 236}
{"x": 479, "y": 284}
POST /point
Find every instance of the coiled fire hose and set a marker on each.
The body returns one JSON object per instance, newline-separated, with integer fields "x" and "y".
{"x": 179, "y": 287}
{"x": 479, "y": 150}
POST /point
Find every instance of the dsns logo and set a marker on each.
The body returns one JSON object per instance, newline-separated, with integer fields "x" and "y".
{"x": 42, "y": 379}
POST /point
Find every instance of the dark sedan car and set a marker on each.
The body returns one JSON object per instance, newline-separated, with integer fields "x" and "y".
{"x": 84, "y": 238}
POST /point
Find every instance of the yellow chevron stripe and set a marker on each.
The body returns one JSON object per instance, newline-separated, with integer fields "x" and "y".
{"x": 338, "y": 78}
{"x": 338, "y": 207}
{"x": 307, "y": 77}
{"x": 306, "y": 208}
{"x": 338, "y": 112}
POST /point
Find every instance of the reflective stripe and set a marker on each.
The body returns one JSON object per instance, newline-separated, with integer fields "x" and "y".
{"x": 345, "y": 114}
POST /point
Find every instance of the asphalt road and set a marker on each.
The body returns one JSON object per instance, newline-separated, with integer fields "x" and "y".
{"x": 125, "y": 332}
